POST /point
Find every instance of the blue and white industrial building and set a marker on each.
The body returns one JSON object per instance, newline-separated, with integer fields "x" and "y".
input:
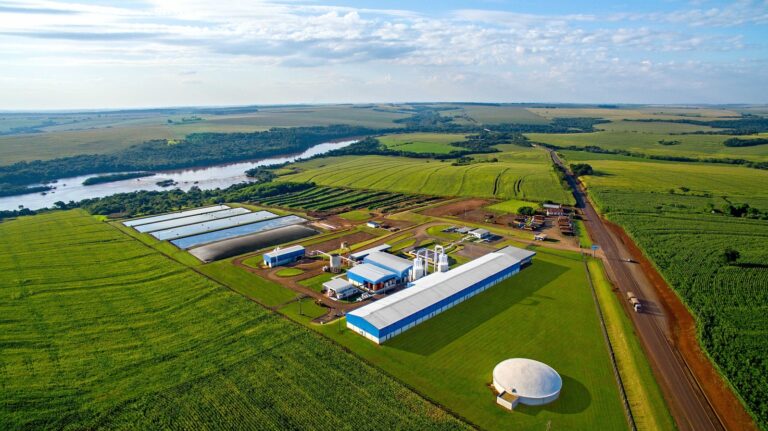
{"x": 380, "y": 271}
{"x": 434, "y": 293}
{"x": 281, "y": 256}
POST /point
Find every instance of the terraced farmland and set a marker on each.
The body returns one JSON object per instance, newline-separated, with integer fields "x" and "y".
{"x": 532, "y": 178}
{"x": 102, "y": 332}
{"x": 334, "y": 199}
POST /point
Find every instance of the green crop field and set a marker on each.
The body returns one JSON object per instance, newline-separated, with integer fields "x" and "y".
{"x": 651, "y": 112}
{"x": 439, "y": 143}
{"x": 102, "y": 332}
{"x": 667, "y": 209}
{"x": 100, "y": 133}
{"x": 450, "y": 357}
{"x": 528, "y": 177}
{"x": 700, "y": 178}
{"x": 511, "y": 206}
{"x": 289, "y": 272}
{"x": 490, "y": 114}
{"x": 695, "y": 146}
{"x": 653, "y": 127}
{"x": 334, "y": 199}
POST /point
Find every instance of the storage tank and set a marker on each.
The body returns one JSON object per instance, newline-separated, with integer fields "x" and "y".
{"x": 418, "y": 269}
{"x": 335, "y": 264}
{"x": 442, "y": 262}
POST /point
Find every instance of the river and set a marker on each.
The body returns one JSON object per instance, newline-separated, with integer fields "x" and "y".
{"x": 206, "y": 178}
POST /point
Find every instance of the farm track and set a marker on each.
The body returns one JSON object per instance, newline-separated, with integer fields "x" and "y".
{"x": 696, "y": 394}
{"x": 497, "y": 181}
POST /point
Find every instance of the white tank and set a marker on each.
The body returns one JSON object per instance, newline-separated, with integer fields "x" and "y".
{"x": 335, "y": 261}
{"x": 442, "y": 263}
{"x": 418, "y": 269}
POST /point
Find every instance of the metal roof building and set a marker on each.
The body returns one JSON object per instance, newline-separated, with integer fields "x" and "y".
{"x": 390, "y": 262}
{"x": 371, "y": 277}
{"x": 360, "y": 255}
{"x": 283, "y": 255}
{"x": 433, "y": 294}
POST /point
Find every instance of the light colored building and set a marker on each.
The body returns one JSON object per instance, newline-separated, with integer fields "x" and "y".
{"x": 281, "y": 256}
{"x": 525, "y": 381}
{"x": 390, "y": 262}
{"x": 371, "y": 277}
{"x": 373, "y": 224}
{"x": 360, "y": 255}
{"x": 339, "y": 288}
{"x": 433, "y": 294}
{"x": 480, "y": 233}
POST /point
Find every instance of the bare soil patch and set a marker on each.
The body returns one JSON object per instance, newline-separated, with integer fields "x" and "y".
{"x": 457, "y": 208}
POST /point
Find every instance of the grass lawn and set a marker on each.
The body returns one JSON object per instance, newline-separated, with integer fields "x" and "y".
{"x": 439, "y": 143}
{"x": 644, "y": 395}
{"x": 437, "y": 232}
{"x": 305, "y": 312}
{"x": 512, "y": 206}
{"x": 546, "y": 312}
{"x": 100, "y": 331}
{"x": 356, "y": 215}
{"x": 254, "y": 261}
{"x": 289, "y": 272}
{"x": 247, "y": 284}
{"x": 581, "y": 231}
{"x": 316, "y": 282}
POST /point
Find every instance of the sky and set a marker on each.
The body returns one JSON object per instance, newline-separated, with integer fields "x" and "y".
{"x": 152, "y": 53}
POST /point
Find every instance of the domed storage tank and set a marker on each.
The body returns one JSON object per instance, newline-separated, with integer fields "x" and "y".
{"x": 532, "y": 382}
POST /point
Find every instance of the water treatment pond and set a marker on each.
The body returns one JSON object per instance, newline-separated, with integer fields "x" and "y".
{"x": 206, "y": 178}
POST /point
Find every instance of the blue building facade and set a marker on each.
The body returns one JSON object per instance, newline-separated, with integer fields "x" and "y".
{"x": 389, "y": 317}
{"x": 283, "y": 256}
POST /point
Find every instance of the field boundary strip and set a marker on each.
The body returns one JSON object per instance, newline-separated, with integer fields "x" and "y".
{"x": 622, "y": 391}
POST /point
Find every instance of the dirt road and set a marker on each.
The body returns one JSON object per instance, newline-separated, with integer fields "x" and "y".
{"x": 656, "y": 326}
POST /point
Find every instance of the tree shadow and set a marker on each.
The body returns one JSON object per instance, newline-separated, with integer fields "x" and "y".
{"x": 574, "y": 398}
{"x": 434, "y": 334}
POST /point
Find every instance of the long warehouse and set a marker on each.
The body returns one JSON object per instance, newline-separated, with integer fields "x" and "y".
{"x": 435, "y": 293}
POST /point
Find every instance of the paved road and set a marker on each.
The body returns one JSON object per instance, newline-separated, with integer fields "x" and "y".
{"x": 688, "y": 402}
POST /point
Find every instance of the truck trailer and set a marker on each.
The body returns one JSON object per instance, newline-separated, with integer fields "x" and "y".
{"x": 636, "y": 305}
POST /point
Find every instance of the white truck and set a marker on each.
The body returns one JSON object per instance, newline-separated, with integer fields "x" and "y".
{"x": 636, "y": 305}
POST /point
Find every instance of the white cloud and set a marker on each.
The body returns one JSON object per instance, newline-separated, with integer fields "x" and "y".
{"x": 469, "y": 48}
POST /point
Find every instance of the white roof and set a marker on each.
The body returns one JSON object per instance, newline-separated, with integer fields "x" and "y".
{"x": 520, "y": 254}
{"x": 480, "y": 231}
{"x": 527, "y": 378}
{"x": 337, "y": 284}
{"x": 361, "y": 254}
{"x": 282, "y": 251}
{"x": 431, "y": 289}
{"x": 370, "y": 272}
{"x": 391, "y": 261}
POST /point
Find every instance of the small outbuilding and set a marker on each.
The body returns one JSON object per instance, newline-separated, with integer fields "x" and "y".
{"x": 281, "y": 256}
{"x": 373, "y": 224}
{"x": 480, "y": 233}
{"x": 371, "y": 277}
{"x": 521, "y": 380}
{"x": 339, "y": 288}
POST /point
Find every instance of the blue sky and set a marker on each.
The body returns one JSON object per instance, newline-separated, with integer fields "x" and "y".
{"x": 106, "y": 54}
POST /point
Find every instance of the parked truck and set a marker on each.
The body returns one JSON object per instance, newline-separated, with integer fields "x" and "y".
{"x": 636, "y": 305}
